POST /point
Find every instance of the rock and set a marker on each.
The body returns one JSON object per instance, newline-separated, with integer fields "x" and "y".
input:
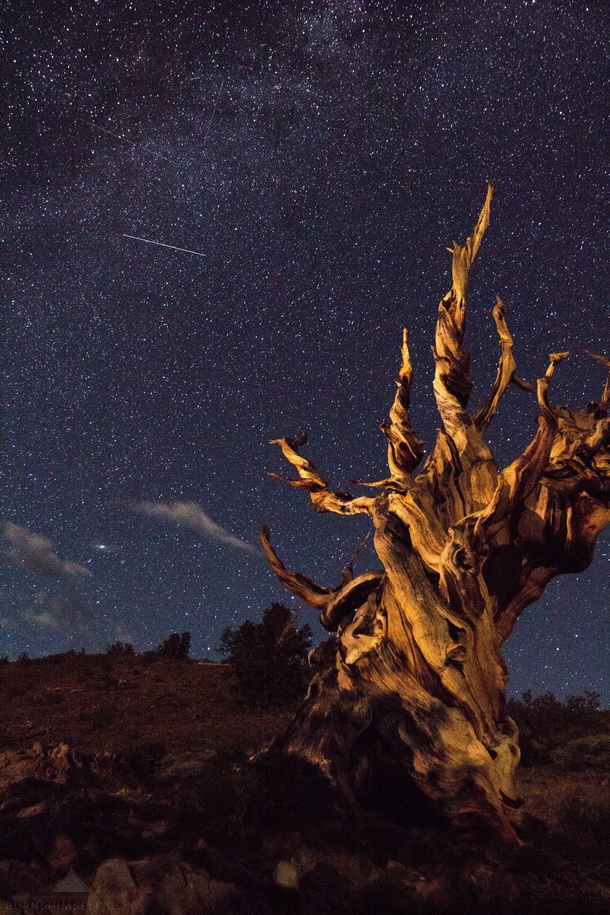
{"x": 18, "y": 879}
{"x": 491, "y": 889}
{"x": 388, "y": 894}
{"x": 62, "y": 854}
{"x": 326, "y": 882}
{"x": 474, "y": 887}
{"x": 33, "y": 810}
{"x": 154, "y": 830}
{"x": 161, "y": 886}
{"x": 356, "y": 868}
{"x": 57, "y": 764}
{"x": 285, "y": 874}
{"x": 14, "y": 803}
{"x": 113, "y": 889}
{"x": 441, "y": 892}
{"x": 162, "y": 871}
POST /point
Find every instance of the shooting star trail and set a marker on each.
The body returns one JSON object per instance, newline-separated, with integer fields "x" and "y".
{"x": 207, "y": 133}
{"x": 124, "y": 140}
{"x": 163, "y": 245}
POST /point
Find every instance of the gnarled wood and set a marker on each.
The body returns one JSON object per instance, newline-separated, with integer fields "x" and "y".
{"x": 415, "y": 674}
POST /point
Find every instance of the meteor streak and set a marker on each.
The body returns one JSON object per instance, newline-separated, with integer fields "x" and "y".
{"x": 125, "y": 140}
{"x": 163, "y": 245}
{"x": 207, "y": 133}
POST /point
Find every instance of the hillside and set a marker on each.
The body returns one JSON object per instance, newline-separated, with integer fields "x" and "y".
{"x": 116, "y": 702}
{"x": 133, "y": 771}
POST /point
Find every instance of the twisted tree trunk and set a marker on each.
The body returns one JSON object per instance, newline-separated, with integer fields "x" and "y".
{"x": 414, "y": 681}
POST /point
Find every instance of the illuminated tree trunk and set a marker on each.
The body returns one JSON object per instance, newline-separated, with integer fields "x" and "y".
{"x": 415, "y": 674}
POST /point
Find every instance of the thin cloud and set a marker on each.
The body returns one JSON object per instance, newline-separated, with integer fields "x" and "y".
{"x": 46, "y": 620}
{"x": 35, "y": 553}
{"x": 192, "y": 515}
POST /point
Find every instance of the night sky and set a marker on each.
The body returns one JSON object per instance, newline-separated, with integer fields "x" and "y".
{"x": 318, "y": 157}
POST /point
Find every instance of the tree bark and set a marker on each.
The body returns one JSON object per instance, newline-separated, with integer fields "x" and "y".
{"x": 413, "y": 681}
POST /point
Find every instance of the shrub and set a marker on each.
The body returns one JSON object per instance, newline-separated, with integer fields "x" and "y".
{"x": 281, "y": 791}
{"x": 144, "y": 758}
{"x": 592, "y": 816}
{"x": 269, "y": 659}
{"x": 585, "y": 753}
{"x": 124, "y": 648}
{"x": 546, "y": 722}
{"x": 102, "y": 717}
{"x": 176, "y": 646}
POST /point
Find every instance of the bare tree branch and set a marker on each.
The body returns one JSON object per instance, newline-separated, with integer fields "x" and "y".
{"x": 310, "y": 480}
{"x": 452, "y": 381}
{"x": 506, "y": 369}
{"x": 404, "y": 448}
{"x": 334, "y": 604}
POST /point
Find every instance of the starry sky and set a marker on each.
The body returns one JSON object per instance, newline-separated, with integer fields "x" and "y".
{"x": 313, "y": 160}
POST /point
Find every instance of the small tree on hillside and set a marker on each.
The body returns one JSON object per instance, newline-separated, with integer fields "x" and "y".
{"x": 176, "y": 646}
{"x": 122, "y": 648}
{"x": 269, "y": 659}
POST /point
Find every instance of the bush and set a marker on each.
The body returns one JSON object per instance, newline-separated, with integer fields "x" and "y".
{"x": 286, "y": 792}
{"x": 124, "y": 648}
{"x": 102, "y": 717}
{"x": 594, "y": 817}
{"x": 585, "y": 753}
{"x": 143, "y": 758}
{"x": 546, "y": 722}
{"x": 176, "y": 646}
{"x": 269, "y": 659}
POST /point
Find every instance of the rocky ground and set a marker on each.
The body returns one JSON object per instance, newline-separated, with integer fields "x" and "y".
{"x": 126, "y": 788}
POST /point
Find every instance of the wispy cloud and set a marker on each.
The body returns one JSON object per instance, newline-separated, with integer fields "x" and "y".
{"x": 67, "y": 609}
{"x": 30, "y": 551}
{"x": 46, "y": 620}
{"x": 192, "y": 515}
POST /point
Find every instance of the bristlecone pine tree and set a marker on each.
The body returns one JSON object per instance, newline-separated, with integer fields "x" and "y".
{"x": 413, "y": 684}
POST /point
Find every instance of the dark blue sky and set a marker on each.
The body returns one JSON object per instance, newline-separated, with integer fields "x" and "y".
{"x": 319, "y": 157}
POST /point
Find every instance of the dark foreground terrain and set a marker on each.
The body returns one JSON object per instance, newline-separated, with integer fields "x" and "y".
{"x": 127, "y": 786}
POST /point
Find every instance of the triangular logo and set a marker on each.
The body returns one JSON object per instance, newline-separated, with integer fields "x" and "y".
{"x": 71, "y": 884}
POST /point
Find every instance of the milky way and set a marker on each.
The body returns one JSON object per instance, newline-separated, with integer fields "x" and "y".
{"x": 321, "y": 156}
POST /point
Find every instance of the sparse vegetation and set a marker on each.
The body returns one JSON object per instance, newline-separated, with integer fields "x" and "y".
{"x": 102, "y": 717}
{"x": 547, "y": 723}
{"x": 583, "y": 814}
{"x": 585, "y": 753}
{"x": 189, "y": 706}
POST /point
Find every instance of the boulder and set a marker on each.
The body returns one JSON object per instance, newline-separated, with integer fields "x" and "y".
{"x": 113, "y": 889}
{"x": 163, "y": 886}
{"x": 58, "y": 765}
